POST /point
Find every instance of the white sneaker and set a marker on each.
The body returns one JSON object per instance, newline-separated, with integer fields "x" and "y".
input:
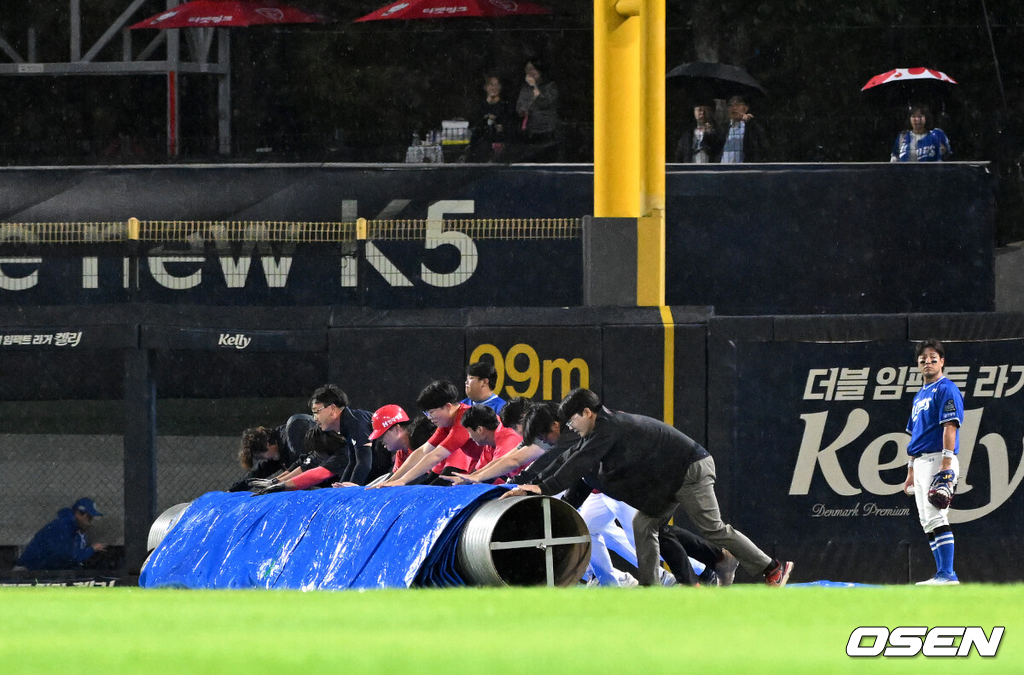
{"x": 628, "y": 581}
{"x": 667, "y": 578}
{"x": 940, "y": 579}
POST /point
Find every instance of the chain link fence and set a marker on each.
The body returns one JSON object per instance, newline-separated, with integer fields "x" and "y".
{"x": 54, "y": 451}
{"x": 70, "y": 385}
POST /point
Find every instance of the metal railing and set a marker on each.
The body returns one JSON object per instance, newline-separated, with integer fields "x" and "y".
{"x": 285, "y": 231}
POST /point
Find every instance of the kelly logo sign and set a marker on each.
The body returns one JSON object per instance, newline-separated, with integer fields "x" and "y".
{"x": 857, "y": 461}
{"x": 237, "y": 341}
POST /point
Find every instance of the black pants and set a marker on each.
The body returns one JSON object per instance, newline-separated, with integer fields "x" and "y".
{"x": 678, "y": 545}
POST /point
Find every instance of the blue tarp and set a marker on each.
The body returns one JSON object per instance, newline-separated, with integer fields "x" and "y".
{"x": 319, "y": 539}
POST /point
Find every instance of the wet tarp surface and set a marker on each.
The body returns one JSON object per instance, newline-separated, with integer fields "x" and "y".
{"x": 320, "y": 539}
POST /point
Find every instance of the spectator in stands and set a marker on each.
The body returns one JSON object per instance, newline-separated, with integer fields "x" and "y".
{"x": 745, "y": 141}
{"x": 61, "y": 544}
{"x": 703, "y": 143}
{"x": 537, "y": 108}
{"x": 337, "y": 449}
{"x": 492, "y": 126}
{"x": 449, "y": 450}
{"x": 480, "y": 380}
{"x": 268, "y": 451}
{"x": 921, "y": 143}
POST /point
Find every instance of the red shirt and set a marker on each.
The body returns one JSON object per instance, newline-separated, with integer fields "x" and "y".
{"x": 400, "y": 458}
{"x": 455, "y": 439}
{"x": 505, "y": 441}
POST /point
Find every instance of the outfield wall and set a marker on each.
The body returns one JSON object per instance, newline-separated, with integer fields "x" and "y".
{"x": 141, "y": 406}
{"x": 746, "y": 239}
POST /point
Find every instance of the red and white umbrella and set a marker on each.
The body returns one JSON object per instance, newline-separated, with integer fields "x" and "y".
{"x": 441, "y": 9}
{"x": 228, "y": 13}
{"x": 905, "y": 74}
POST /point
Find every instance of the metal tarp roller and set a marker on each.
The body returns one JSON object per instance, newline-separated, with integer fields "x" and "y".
{"x": 355, "y": 538}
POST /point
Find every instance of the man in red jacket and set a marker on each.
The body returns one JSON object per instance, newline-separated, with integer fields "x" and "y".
{"x": 487, "y": 431}
{"x": 449, "y": 450}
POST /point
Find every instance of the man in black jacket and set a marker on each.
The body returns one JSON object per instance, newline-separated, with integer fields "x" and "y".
{"x": 267, "y": 451}
{"x": 654, "y": 468}
{"x": 337, "y": 449}
{"x": 745, "y": 139}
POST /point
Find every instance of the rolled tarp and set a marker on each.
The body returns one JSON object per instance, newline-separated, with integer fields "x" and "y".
{"x": 330, "y": 539}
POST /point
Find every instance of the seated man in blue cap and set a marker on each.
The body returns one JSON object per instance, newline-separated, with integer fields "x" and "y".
{"x": 61, "y": 544}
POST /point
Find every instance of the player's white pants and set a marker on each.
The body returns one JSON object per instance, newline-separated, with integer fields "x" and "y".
{"x": 601, "y": 564}
{"x": 600, "y": 512}
{"x": 925, "y": 468}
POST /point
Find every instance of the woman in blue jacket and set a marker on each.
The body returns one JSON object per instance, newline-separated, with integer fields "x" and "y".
{"x": 921, "y": 143}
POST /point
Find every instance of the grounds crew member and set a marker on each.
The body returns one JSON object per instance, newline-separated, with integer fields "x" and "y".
{"x": 654, "y": 468}
{"x": 61, "y": 543}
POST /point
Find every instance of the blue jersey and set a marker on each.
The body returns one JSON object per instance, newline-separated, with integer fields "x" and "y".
{"x": 494, "y": 402}
{"x": 58, "y": 546}
{"x": 932, "y": 147}
{"x": 936, "y": 404}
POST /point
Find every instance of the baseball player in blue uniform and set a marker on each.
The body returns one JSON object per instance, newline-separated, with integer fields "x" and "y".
{"x": 934, "y": 468}
{"x": 480, "y": 380}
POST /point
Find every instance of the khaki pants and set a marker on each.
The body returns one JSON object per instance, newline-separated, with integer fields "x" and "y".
{"x": 697, "y": 497}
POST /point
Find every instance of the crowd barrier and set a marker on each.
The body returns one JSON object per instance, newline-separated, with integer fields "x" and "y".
{"x": 141, "y": 407}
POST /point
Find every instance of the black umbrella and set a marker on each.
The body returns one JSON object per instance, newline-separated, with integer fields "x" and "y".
{"x": 717, "y": 80}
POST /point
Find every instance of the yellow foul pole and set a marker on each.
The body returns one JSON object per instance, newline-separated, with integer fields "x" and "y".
{"x": 629, "y": 130}
{"x": 629, "y": 146}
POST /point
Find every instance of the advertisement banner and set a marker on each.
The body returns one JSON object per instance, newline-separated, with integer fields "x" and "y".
{"x": 393, "y": 274}
{"x": 770, "y": 239}
{"x": 68, "y": 338}
{"x": 444, "y": 271}
{"x": 211, "y": 339}
{"x": 818, "y": 452}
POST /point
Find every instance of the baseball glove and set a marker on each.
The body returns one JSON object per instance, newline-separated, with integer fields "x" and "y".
{"x": 940, "y": 494}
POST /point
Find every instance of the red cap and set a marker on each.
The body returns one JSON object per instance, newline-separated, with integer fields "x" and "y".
{"x": 385, "y": 417}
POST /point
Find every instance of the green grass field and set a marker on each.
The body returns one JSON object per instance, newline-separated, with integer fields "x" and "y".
{"x": 743, "y": 629}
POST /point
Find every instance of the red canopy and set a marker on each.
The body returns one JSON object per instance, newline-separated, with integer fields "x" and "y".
{"x": 222, "y": 13}
{"x": 903, "y": 74}
{"x": 440, "y": 9}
